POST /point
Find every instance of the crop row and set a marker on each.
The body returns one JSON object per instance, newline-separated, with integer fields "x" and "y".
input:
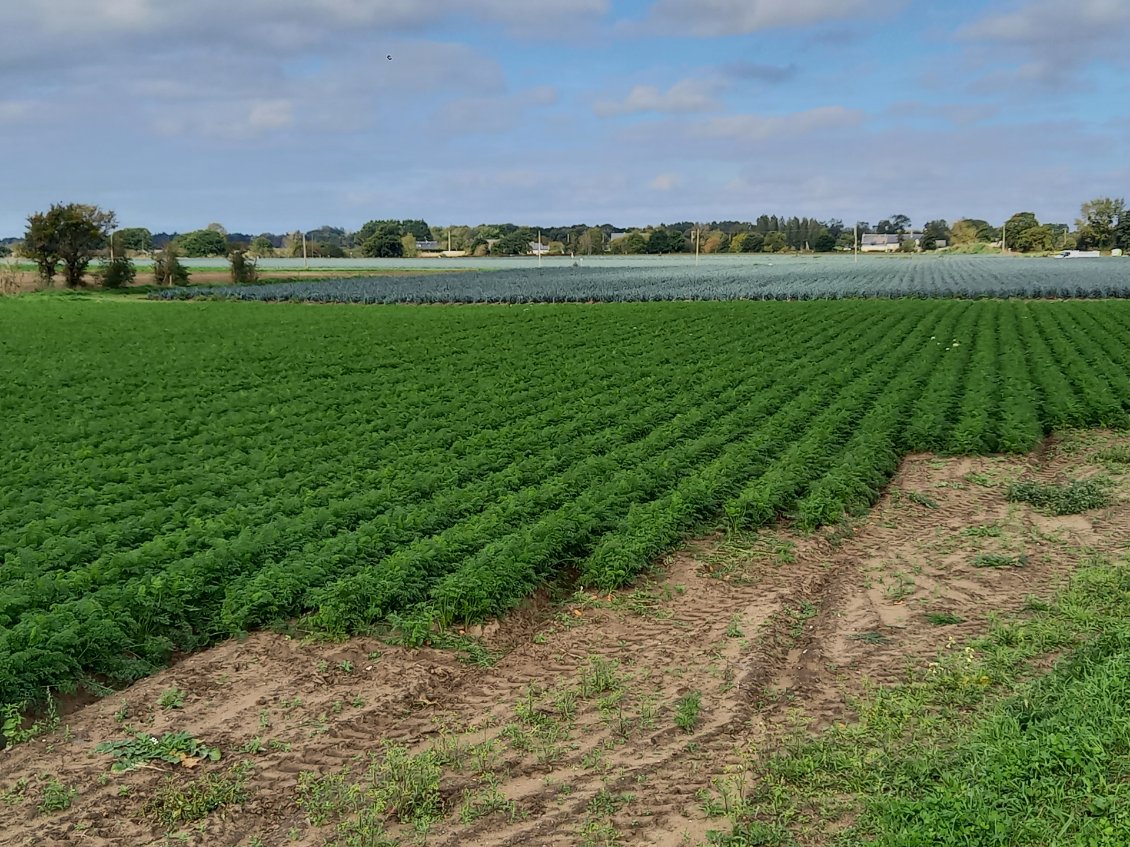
{"x": 176, "y": 475}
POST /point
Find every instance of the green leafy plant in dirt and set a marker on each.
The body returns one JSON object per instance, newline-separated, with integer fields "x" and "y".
{"x": 687, "y": 710}
{"x": 943, "y": 618}
{"x": 176, "y": 803}
{"x": 974, "y": 749}
{"x": 171, "y": 698}
{"x": 1069, "y": 498}
{"x": 56, "y": 797}
{"x": 1117, "y": 455}
{"x": 999, "y": 560}
{"x": 12, "y": 722}
{"x": 396, "y": 786}
{"x": 173, "y": 747}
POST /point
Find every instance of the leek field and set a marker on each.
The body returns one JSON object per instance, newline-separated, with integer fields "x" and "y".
{"x": 716, "y": 277}
{"x": 175, "y": 473}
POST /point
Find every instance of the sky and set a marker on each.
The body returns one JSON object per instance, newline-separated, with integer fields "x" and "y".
{"x": 274, "y": 115}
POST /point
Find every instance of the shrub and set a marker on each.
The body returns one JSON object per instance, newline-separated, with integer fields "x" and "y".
{"x": 118, "y": 272}
{"x": 243, "y": 270}
{"x": 167, "y": 269}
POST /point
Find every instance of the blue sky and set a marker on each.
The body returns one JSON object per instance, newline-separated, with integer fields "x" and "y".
{"x": 270, "y": 115}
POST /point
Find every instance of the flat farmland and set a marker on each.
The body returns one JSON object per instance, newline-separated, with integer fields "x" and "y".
{"x": 715, "y": 277}
{"x": 178, "y": 473}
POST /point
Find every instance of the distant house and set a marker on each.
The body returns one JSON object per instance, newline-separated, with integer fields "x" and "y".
{"x": 427, "y": 245}
{"x": 616, "y": 236}
{"x": 538, "y": 249}
{"x": 877, "y": 242}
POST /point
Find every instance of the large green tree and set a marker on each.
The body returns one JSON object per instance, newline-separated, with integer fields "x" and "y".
{"x": 136, "y": 239}
{"x": 203, "y": 242}
{"x": 933, "y": 232}
{"x": 71, "y": 233}
{"x": 383, "y": 241}
{"x": 516, "y": 243}
{"x": 1099, "y": 220}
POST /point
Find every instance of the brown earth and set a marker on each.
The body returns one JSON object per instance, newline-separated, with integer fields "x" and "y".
{"x": 570, "y": 737}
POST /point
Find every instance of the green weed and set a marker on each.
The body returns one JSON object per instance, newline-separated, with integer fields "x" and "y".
{"x": 56, "y": 797}
{"x": 687, "y": 711}
{"x": 1066, "y": 499}
{"x": 175, "y": 803}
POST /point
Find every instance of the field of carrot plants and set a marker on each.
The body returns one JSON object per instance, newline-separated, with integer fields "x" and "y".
{"x": 177, "y": 473}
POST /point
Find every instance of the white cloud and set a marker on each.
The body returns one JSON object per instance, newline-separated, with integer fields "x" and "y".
{"x": 1047, "y": 22}
{"x": 282, "y": 22}
{"x": 665, "y": 182}
{"x": 233, "y": 121}
{"x": 17, "y": 111}
{"x": 737, "y": 17}
{"x": 688, "y": 95}
{"x": 1044, "y": 44}
{"x": 491, "y": 115}
{"x": 750, "y": 127}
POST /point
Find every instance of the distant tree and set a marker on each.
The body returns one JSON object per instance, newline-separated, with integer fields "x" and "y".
{"x": 261, "y": 247}
{"x": 1099, "y": 219}
{"x": 516, "y": 243}
{"x": 901, "y": 223}
{"x": 1015, "y": 229}
{"x": 774, "y": 242}
{"x": 330, "y": 236}
{"x": 419, "y": 230}
{"x": 167, "y": 267}
{"x": 714, "y": 241}
{"x": 1122, "y": 234}
{"x": 591, "y": 242}
{"x": 666, "y": 241}
{"x": 1033, "y": 239}
{"x": 933, "y": 232}
{"x": 39, "y": 245}
{"x": 5, "y": 251}
{"x": 964, "y": 231}
{"x": 136, "y": 239}
{"x": 556, "y": 248}
{"x": 633, "y": 243}
{"x": 408, "y": 246}
{"x": 243, "y": 270}
{"x": 825, "y": 242}
{"x": 217, "y": 227}
{"x": 70, "y": 233}
{"x": 322, "y": 250}
{"x": 371, "y": 228}
{"x": 384, "y": 243}
{"x": 203, "y": 242}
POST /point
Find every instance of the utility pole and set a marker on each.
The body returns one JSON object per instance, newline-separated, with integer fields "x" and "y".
{"x": 697, "y": 238}
{"x": 539, "y": 248}
{"x": 855, "y": 243}
{"x": 1003, "y": 248}
{"x": 305, "y": 264}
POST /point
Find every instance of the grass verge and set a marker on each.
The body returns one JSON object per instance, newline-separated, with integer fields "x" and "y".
{"x": 979, "y": 748}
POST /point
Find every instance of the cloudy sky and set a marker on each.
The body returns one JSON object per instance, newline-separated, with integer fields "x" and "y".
{"x": 269, "y": 115}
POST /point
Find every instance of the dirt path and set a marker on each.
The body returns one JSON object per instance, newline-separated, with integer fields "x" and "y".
{"x": 572, "y": 737}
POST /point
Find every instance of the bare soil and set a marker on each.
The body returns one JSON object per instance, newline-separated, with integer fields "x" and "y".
{"x": 772, "y": 631}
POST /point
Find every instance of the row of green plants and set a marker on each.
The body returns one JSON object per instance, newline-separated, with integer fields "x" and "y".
{"x": 417, "y": 468}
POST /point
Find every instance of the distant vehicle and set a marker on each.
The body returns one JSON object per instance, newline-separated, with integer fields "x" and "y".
{"x": 1078, "y": 254}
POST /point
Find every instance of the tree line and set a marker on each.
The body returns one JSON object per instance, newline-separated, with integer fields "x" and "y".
{"x": 72, "y": 235}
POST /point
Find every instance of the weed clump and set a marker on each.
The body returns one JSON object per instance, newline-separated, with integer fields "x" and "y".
{"x": 1071, "y": 498}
